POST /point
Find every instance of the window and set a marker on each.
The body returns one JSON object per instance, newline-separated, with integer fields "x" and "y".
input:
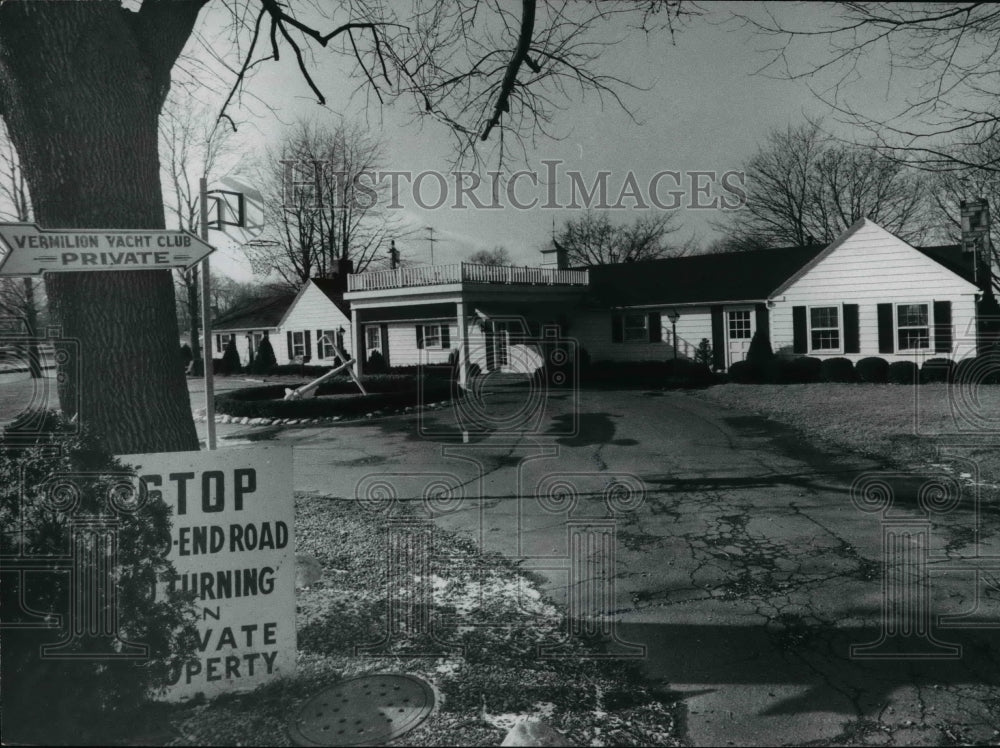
{"x": 373, "y": 338}
{"x": 635, "y": 328}
{"x": 298, "y": 345}
{"x": 739, "y": 324}
{"x": 913, "y": 331}
{"x": 432, "y": 336}
{"x": 824, "y": 328}
{"x": 221, "y": 341}
{"x": 327, "y": 339}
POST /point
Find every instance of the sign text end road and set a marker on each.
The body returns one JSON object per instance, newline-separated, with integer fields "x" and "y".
{"x": 31, "y": 250}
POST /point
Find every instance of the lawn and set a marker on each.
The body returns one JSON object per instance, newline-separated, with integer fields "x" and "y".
{"x": 497, "y": 616}
{"x": 900, "y": 423}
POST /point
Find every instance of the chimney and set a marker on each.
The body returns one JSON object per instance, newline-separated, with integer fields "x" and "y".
{"x": 976, "y": 240}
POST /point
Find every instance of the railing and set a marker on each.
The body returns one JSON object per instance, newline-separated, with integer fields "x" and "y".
{"x": 465, "y": 272}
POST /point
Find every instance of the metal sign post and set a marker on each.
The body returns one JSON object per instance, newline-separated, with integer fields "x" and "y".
{"x": 206, "y": 323}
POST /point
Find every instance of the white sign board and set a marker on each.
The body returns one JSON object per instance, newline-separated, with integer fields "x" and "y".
{"x": 30, "y": 250}
{"x": 234, "y": 546}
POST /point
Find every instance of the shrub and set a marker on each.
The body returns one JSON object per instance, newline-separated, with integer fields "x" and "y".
{"x": 385, "y": 391}
{"x": 376, "y": 364}
{"x": 982, "y": 369}
{"x": 743, "y": 372}
{"x": 798, "y": 370}
{"x": 264, "y": 360}
{"x": 231, "y": 363}
{"x": 872, "y": 369}
{"x": 903, "y": 372}
{"x": 936, "y": 370}
{"x": 79, "y": 701}
{"x": 684, "y": 373}
{"x": 759, "y": 354}
{"x": 703, "y": 353}
{"x": 837, "y": 369}
{"x": 645, "y": 374}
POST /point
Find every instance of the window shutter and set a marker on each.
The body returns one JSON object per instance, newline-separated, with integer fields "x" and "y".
{"x": 617, "y": 328}
{"x": 718, "y": 338}
{"x": 800, "y": 330}
{"x": 308, "y": 336}
{"x": 852, "y": 335}
{"x": 319, "y": 344}
{"x": 655, "y": 328}
{"x": 445, "y": 336}
{"x": 288, "y": 337}
{"x": 886, "y": 329}
{"x": 420, "y": 336}
{"x": 942, "y": 327}
{"x": 218, "y": 344}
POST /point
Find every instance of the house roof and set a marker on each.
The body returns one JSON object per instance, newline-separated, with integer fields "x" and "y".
{"x": 333, "y": 289}
{"x": 259, "y": 314}
{"x": 729, "y": 276}
{"x": 952, "y": 257}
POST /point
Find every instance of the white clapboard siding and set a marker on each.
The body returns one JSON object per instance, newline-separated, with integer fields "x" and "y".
{"x": 313, "y": 311}
{"x": 592, "y": 330}
{"x": 403, "y": 349}
{"x": 874, "y": 267}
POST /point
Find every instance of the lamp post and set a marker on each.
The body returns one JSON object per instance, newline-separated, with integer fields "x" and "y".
{"x": 673, "y": 316}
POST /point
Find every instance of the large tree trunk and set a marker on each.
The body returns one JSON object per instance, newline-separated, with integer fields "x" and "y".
{"x": 81, "y": 87}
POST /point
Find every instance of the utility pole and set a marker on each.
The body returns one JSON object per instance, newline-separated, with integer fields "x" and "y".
{"x": 430, "y": 238}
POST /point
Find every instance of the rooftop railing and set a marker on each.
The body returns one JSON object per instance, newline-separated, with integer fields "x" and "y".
{"x": 464, "y": 272}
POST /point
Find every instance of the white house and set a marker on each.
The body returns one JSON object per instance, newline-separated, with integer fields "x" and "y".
{"x": 249, "y": 323}
{"x": 317, "y": 318}
{"x": 868, "y": 293}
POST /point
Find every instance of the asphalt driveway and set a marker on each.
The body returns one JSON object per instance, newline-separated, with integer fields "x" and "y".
{"x": 723, "y": 550}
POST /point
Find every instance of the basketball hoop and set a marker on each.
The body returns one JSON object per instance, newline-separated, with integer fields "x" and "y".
{"x": 255, "y": 251}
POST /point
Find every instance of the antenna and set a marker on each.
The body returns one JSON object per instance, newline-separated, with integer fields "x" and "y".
{"x": 430, "y": 238}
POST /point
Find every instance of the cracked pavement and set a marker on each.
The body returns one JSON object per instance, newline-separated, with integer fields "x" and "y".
{"x": 745, "y": 568}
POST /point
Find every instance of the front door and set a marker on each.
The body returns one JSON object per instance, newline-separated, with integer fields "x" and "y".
{"x": 497, "y": 343}
{"x": 739, "y": 330}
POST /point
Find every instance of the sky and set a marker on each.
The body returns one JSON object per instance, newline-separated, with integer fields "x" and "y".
{"x": 703, "y": 107}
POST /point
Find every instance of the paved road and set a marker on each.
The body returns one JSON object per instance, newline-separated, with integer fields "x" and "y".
{"x": 741, "y": 564}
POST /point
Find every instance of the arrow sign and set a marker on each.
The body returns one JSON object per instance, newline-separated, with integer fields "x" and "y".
{"x": 31, "y": 250}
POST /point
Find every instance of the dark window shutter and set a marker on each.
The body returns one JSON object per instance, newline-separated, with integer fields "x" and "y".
{"x": 445, "y": 337}
{"x": 383, "y": 336}
{"x": 852, "y": 335}
{"x": 655, "y": 328}
{"x": 420, "y": 336}
{"x": 942, "y": 327}
{"x": 800, "y": 330}
{"x": 319, "y": 344}
{"x": 308, "y": 337}
{"x": 288, "y": 336}
{"x": 218, "y": 344}
{"x": 718, "y": 338}
{"x": 886, "y": 329}
{"x": 617, "y": 328}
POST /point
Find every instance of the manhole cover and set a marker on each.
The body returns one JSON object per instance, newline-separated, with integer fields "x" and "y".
{"x": 368, "y": 710}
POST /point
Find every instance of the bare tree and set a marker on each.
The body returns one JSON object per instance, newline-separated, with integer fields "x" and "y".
{"x": 496, "y": 256}
{"x": 192, "y": 145}
{"x": 19, "y": 297}
{"x": 949, "y": 49}
{"x": 323, "y": 202}
{"x": 82, "y": 86}
{"x": 804, "y": 187}
{"x": 593, "y": 239}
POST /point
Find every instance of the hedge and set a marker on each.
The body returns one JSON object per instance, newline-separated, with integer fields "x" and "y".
{"x": 873, "y": 370}
{"x": 837, "y": 369}
{"x": 903, "y": 372}
{"x": 385, "y": 391}
{"x": 936, "y": 370}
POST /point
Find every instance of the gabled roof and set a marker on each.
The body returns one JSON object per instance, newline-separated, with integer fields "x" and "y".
{"x": 942, "y": 255}
{"x": 259, "y": 314}
{"x": 729, "y": 276}
{"x": 952, "y": 257}
{"x": 334, "y": 289}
